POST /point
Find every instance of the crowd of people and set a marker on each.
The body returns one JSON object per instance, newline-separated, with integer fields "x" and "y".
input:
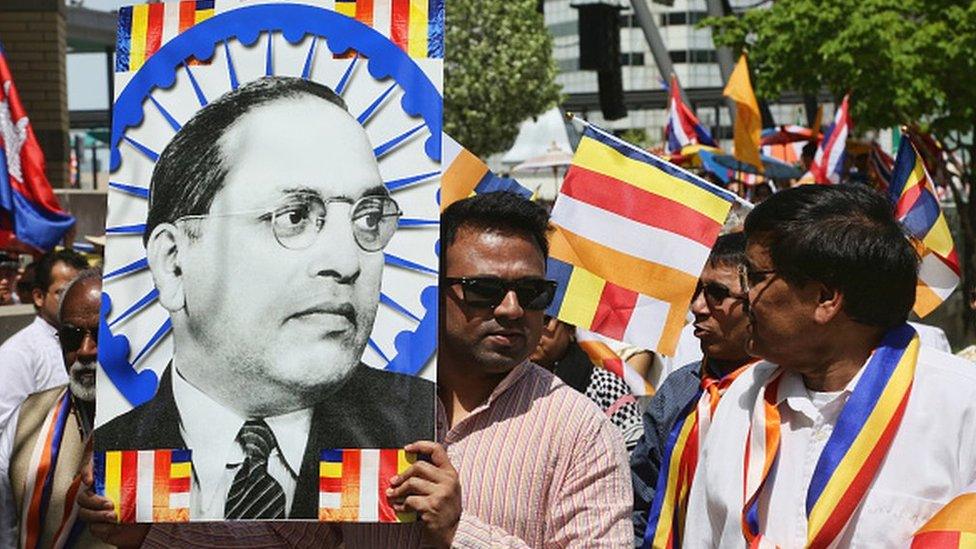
{"x": 812, "y": 414}
{"x": 813, "y": 395}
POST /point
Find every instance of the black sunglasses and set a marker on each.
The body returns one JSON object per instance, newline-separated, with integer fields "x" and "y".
{"x": 72, "y": 337}
{"x": 533, "y": 294}
{"x": 714, "y": 293}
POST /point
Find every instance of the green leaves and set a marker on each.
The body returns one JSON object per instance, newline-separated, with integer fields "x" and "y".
{"x": 902, "y": 60}
{"x": 499, "y": 71}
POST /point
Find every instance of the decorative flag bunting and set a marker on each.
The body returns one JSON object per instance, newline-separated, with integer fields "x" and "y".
{"x": 465, "y": 174}
{"x": 146, "y": 485}
{"x": 683, "y": 127}
{"x": 145, "y": 28}
{"x": 748, "y": 122}
{"x": 917, "y": 208}
{"x": 417, "y": 26}
{"x": 829, "y": 160}
{"x": 853, "y": 453}
{"x": 666, "y": 518}
{"x": 31, "y": 218}
{"x": 603, "y": 356}
{"x": 353, "y": 484}
{"x": 36, "y": 512}
{"x": 953, "y": 527}
{"x": 631, "y": 234}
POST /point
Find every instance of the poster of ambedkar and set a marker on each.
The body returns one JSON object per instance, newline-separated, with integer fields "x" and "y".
{"x": 268, "y": 328}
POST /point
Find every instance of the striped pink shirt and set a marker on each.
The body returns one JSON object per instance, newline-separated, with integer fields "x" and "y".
{"x": 540, "y": 466}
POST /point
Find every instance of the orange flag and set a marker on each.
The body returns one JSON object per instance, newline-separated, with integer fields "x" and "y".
{"x": 748, "y": 121}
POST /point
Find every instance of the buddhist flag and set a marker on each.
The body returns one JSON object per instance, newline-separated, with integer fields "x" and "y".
{"x": 144, "y": 28}
{"x": 953, "y": 527}
{"x": 416, "y": 26}
{"x": 353, "y": 484}
{"x": 465, "y": 174}
{"x": 748, "y": 121}
{"x": 917, "y": 208}
{"x": 145, "y": 485}
{"x": 631, "y": 234}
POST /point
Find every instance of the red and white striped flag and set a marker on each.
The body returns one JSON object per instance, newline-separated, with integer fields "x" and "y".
{"x": 353, "y": 484}
{"x": 146, "y": 485}
{"x": 829, "y": 161}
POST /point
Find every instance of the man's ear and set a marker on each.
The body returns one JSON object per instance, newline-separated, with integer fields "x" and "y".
{"x": 163, "y": 253}
{"x": 38, "y": 295}
{"x": 830, "y": 303}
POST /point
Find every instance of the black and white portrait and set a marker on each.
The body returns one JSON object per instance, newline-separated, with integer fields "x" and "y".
{"x": 266, "y": 230}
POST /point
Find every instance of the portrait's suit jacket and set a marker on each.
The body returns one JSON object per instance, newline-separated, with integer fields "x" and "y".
{"x": 373, "y": 409}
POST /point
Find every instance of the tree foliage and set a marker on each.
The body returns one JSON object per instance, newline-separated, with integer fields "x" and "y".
{"x": 499, "y": 70}
{"x": 904, "y": 62}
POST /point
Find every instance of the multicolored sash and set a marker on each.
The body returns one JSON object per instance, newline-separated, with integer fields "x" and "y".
{"x": 953, "y": 527}
{"x": 854, "y": 451}
{"x": 40, "y": 480}
{"x": 666, "y": 519}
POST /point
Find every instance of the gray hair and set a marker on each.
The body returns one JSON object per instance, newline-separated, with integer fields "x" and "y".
{"x": 94, "y": 272}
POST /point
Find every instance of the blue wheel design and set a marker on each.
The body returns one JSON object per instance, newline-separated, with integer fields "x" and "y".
{"x": 293, "y": 40}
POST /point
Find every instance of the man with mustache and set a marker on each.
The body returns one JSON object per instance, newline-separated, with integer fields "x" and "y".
{"x": 50, "y": 430}
{"x": 266, "y": 225}
{"x": 849, "y": 433}
{"x": 720, "y": 326}
{"x": 539, "y": 464}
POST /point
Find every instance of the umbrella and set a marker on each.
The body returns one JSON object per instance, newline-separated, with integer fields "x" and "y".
{"x": 554, "y": 158}
{"x": 781, "y": 135}
{"x": 772, "y": 167}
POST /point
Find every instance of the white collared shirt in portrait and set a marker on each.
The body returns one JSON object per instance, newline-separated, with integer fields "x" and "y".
{"x": 210, "y": 431}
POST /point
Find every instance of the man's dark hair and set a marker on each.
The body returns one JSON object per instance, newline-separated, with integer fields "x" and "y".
{"x": 499, "y": 211}
{"x": 192, "y": 168}
{"x": 845, "y": 237}
{"x": 729, "y": 250}
{"x": 42, "y": 275}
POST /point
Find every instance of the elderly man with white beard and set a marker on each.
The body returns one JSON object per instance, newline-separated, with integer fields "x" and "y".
{"x": 42, "y": 449}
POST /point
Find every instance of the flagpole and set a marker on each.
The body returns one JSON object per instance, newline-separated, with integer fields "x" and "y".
{"x": 586, "y": 124}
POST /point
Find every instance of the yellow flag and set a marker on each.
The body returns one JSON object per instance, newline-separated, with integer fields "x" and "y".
{"x": 748, "y": 121}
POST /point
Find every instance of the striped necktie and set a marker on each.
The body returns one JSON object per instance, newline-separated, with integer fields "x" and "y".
{"x": 255, "y": 494}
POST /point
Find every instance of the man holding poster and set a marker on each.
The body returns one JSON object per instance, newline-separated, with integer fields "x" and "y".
{"x": 266, "y": 225}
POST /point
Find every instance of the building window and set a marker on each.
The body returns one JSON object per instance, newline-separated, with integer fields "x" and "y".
{"x": 682, "y": 18}
{"x": 702, "y": 56}
{"x": 632, "y": 59}
{"x": 698, "y": 57}
{"x": 568, "y": 65}
{"x": 629, "y": 21}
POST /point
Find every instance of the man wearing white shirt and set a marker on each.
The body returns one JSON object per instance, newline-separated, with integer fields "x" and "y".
{"x": 30, "y": 360}
{"x": 44, "y": 443}
{"x": 830, "y": 280}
